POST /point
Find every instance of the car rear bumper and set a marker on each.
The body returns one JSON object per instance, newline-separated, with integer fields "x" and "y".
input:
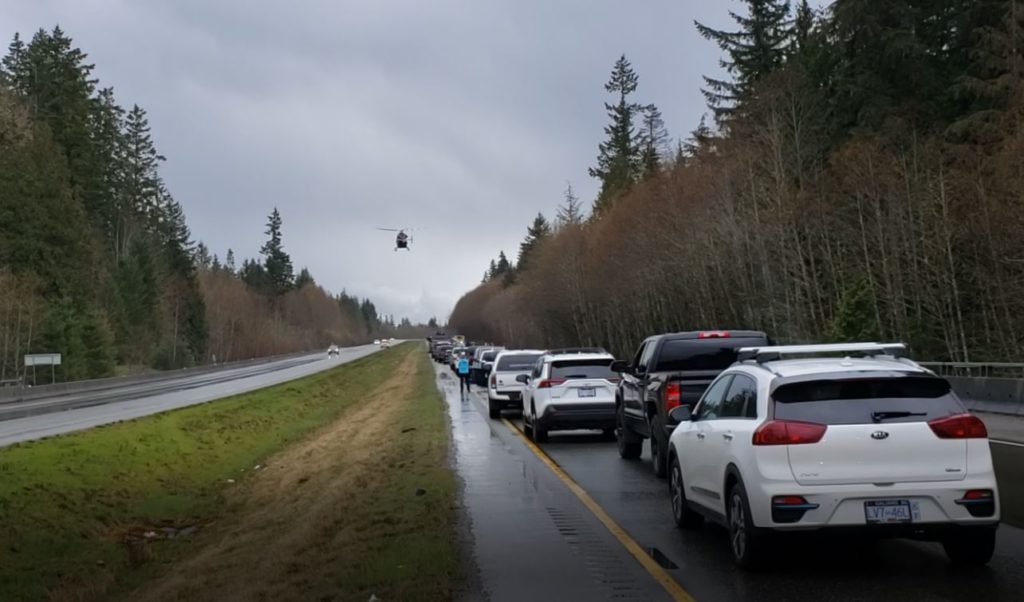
{"x": 506, "y": 399}
{"x": 934, "y": 505}
{"x": 566, "y": 416}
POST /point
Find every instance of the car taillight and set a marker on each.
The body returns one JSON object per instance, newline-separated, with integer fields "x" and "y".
{"x": 978, "y": 494}
{"x": 960, "y": 426}
{"x": 494, "y": 381}
{"x": 547, "y": 383}
{"x": 673, "y": 396}
{"x": 788, "y": 432}
{"x": 713, "y": 334}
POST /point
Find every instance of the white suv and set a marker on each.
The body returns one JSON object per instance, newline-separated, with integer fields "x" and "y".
{"x": 570, "y": 389}
{"x": 503, "y": 390}
{"x": 875, "y": 443}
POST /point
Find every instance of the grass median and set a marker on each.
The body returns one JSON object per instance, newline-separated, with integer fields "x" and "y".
{"x": 354, "y": 496}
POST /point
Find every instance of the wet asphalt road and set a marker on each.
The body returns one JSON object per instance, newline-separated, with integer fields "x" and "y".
{"x": 135, "y": 401}
{"x": 529, "y": 537}
{"x": 822, "y": 569}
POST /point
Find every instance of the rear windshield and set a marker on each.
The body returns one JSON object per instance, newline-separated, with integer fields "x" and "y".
{"x": 573, "y": 369}
{"x": 701, "y": 354}
{"x": 866, "y": 401}
{"x": 489, "y": 356}
{"x": 519, "y": 361}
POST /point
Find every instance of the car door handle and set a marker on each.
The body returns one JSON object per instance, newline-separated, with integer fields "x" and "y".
{"x": 727, "y": 436}
{"x": 700, "y": 435}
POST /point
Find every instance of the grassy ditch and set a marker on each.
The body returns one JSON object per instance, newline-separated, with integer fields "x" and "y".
{"x": 108, "y": 511}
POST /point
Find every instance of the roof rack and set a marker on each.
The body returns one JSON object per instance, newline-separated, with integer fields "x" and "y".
{"x": 570, "y": 350}
{"x": 762, "y": 354}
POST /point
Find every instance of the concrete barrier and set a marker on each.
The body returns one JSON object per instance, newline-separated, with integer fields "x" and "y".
{"x": 998, "y": 395}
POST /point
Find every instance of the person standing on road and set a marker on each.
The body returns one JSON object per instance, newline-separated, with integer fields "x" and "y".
{"x": 462, "y": 367}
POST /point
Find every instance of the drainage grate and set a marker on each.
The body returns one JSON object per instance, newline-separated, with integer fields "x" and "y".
{"x": 603, "y": 563}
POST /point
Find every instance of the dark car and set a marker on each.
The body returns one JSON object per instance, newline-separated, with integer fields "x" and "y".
{"x": 667, "y": 371}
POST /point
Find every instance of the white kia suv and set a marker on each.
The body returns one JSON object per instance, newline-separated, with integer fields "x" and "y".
{"x": 570, "y": 389}
{"x": 503, "y": 390}
{"x": 868, "y": 442}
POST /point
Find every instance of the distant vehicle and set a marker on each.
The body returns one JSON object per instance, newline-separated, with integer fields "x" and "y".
{"x": 503, "y": 390}
{"x": 376, "y": 341}
{"x": 569, "y": 391}
{"x": 669, "y": 370}
{"x": 385, "y": 343}
{"x": 867, "y": 443}
{"x": 333, "y": 350}
{"x": 440, "y": 351}
{"x": 458, "y": 340}
{"x": 483, "y": 366}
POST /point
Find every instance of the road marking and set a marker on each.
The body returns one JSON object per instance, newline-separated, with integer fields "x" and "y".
{"x": 671, "y": 586}
{"x": 1013, "y": 443}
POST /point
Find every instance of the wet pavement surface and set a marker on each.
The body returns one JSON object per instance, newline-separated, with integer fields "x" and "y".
{"x": 508, "y": 492}
{"x": 531, "y": 539}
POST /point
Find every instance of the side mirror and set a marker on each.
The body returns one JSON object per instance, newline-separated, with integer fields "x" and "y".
{"x": 522, "y": 378}
{"x": 679, "y": 415}
{"x": 620, "y": 366}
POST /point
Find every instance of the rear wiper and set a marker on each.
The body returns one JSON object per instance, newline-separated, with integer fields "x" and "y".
{"x": 880, "y": 416}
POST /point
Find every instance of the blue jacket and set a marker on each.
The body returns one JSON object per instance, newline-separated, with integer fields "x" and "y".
{"x": 463, "y": 366}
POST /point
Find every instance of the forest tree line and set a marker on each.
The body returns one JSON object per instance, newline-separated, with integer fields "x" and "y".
{"x": 96, "y": 260}
{"x": 861, "y": 178}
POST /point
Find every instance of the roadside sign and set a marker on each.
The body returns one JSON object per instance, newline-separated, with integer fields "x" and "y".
{"x": 42, "y": 359}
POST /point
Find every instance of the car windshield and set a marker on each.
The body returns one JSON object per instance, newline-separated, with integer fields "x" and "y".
{"x": 579, "y": 369}
{"x": 488, "y": 356}
{"x": 517, "y": 362}
{"x": 701, "y": 354}
{"x": 866, "y": 400}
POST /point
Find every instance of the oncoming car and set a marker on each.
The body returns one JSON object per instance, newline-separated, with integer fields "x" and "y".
{"x": 873, "y": 444}
{"x": 333, "y": 350}
{"x": 570, "y": 390}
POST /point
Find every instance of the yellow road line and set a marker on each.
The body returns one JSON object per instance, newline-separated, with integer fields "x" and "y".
{"x": 660, "y": 575}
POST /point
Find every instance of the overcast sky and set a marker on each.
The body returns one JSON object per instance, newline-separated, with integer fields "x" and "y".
{"x": 460, "y": 118}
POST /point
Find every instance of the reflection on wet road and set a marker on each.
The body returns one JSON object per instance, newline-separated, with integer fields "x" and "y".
{"x": 805, "y": 569}
{"x": 531, "y": 539}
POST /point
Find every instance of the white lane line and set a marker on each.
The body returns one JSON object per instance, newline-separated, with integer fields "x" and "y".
{"x": 1013, "y": 443}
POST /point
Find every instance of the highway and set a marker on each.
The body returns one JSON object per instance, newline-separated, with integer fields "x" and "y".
{"x": 37, "y": 418}
{"x": 700, "y": 563}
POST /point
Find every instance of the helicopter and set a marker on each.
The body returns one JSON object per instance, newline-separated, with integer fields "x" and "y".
{"x": 402, "y": 239}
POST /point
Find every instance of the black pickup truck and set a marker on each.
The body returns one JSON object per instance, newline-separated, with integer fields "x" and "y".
{"x": 669, "y": 370}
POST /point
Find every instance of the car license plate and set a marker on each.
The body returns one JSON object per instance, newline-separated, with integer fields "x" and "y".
{"x": 889, "y": 512}
{"x": 587, "y": 392}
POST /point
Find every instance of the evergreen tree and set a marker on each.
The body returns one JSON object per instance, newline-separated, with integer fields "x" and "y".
{"x": 229, "y": 261}
{"x": 570, "y": 212}
{"x": 653, "y": 138}
{"x": 304, "y": 279}
{"x": 276, "y": 263}
{"x": 803, "y": 23}
{"x": 700, "y": 140}
{"x": 492, "y": 271}
{"x": 535, "y": 233}
{"x": 618, "y": 156}
{"x": 755, "y": 50}
{"x": 503, "y": 266}
{"x": 202, "y": 257}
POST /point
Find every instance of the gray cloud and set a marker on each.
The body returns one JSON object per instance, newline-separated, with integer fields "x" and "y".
{"x": 458, "y": 117}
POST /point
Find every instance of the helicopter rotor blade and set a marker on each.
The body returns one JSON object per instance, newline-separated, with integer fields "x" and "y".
{"x": 389, "y": 229}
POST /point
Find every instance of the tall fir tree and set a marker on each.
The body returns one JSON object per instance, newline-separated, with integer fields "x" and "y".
{"x": 618, "y": 162}
{"x": 755, "y": 50}
{"x": 535, "y": 233}
{"x": 276, "y": 263}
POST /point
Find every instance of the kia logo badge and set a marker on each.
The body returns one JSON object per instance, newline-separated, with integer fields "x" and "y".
{"x": 879, "y": 435}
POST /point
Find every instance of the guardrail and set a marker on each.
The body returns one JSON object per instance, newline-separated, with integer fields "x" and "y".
{"x": 15, "y": 394}
{"x": 996, "y": 387}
